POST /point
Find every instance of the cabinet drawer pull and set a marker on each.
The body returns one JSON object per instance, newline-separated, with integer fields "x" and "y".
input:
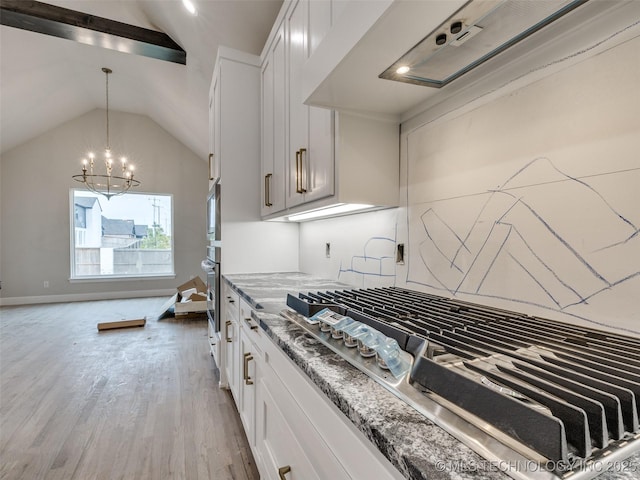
{"x": 252, "y": 327}
{"x": 300, "y": 171}
{"x": 231, "y": 300}
{"x": 298, "y": 186}
{"x": 245, "y": 373}
{"x": 210, "y": 163}
{"x": 267, "y": 190}
{"x": 226, "y": 331}
{"x": 282, "y": 471}
{"x": 304, "y": 179}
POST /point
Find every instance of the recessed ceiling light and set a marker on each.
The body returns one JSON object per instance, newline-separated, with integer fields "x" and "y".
{"x": 190, "y": 7}
{"x": 402, "y": 70}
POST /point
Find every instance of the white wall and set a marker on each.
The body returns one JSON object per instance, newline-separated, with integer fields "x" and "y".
{"x": 36, "y": 178}
{"x": 528, "y": 201}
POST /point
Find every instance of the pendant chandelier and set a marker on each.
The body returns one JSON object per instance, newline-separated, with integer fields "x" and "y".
{"x": 110, "y": 182}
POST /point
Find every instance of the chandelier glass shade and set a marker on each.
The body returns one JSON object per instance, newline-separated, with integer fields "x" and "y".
{"x": 114, "y": 179}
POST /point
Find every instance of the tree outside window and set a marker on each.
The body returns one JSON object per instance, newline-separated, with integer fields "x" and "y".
{"x": 130, "y": 235}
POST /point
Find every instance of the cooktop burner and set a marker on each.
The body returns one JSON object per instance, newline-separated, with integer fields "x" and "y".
{"x": 530, "y": 388}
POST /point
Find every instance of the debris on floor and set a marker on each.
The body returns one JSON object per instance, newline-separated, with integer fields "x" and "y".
{"x": 139, "y": 322}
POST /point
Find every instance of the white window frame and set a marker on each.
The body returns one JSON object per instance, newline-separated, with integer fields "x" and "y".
{"x": 73, "y": 278}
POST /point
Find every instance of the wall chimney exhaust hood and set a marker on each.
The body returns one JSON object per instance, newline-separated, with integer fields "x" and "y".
{"x": 479, "y": 31}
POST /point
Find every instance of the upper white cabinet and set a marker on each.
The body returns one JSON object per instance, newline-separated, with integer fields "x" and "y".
{"x": 236, "y": 124}
{"x": 305, "y": 164}
{"x": 310, "y": 166}
{"x": 214, "y": 131}
{"x": 274, "y": 104}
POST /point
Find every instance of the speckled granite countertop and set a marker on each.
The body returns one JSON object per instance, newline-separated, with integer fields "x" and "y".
{"x": 418, "y": 448}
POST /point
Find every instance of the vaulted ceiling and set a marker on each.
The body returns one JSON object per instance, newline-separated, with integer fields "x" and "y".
{"x": 46, "y": 81}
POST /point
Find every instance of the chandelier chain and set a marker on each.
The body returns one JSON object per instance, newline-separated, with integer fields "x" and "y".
{"x": 107, "y": 72}
{"x": 110, "y": 183}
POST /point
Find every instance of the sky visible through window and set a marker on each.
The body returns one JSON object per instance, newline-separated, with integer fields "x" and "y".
{"x": 129, "y": 235}
{"x": 138, "y": 207}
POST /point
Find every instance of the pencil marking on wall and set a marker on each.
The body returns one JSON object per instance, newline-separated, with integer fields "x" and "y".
{"x": 375, "y": 262}
{"x": 541, "y": 238}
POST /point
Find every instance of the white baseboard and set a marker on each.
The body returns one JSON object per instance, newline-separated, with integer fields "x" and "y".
{"x": 83, "y": 297}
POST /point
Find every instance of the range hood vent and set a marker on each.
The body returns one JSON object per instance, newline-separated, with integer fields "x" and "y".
{"x": 477, "y": 32}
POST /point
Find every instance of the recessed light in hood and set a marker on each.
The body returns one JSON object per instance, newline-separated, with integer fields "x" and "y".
{"x": 480, "y": 30}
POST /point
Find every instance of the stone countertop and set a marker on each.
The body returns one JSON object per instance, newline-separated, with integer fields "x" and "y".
{"x": 417, "y": 447}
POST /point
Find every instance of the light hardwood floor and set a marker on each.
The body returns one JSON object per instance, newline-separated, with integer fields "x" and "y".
{"x": 137, "y": 403}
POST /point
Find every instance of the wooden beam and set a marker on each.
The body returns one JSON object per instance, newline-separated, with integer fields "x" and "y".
{"x": 122, "y": 324}
{"x": 91, "y": 30}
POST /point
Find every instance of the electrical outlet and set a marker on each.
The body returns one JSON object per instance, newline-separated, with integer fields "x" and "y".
{"x": 400, "y": 254}
{"x": 327, "y": 249}
{"x": 46, "y": 284}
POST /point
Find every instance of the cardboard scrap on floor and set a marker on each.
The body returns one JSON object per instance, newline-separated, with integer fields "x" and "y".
{"x": 190, "y": 301}
{"x": 139, "y": 322}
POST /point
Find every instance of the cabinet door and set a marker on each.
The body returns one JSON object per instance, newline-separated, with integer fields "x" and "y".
{"x": 310, "y": 157}
{"x": 217, "y": 146}
{"x": 320, "y": 16}
{"x": 274, "y": 149}
{"x": 250, "y": 371}
{"x": 279, "y": 449}
{"x": 211, "y": 138}
{"x": 214, "y": 129}
{"x": 232, "y": 351}
{"x": 229, "y": 349}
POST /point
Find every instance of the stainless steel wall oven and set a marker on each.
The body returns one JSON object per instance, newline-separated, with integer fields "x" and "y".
{"x": 211, "y": 265}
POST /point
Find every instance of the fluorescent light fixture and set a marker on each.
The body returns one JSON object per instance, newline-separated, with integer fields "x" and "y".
{"x": 331, "y": 210}
{"x": 191, "y": 8}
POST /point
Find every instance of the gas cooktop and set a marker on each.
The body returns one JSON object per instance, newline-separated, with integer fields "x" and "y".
{"x": 547, "y": 399}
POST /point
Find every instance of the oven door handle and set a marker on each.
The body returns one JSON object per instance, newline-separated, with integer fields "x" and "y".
{"x": 208, "y": 266}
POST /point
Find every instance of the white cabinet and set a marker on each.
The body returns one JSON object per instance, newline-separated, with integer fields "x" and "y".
{"x": 298, "y": 427}
{"x": 274, "y": 147}
{"x": 237, "y": 76}
{"x": 285, "y": 454}
{"x": 214, "y": 130}
{"x": 309, "y": 157}
{"x": 230, "y": 340}
{"x": 293, "y": 430}
{"x": 250, "y": 365}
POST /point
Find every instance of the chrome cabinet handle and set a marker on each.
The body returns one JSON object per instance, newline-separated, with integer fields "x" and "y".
{"x": 282, "y": 471}
{"x": 210, "y": 163}
{"x": 247, "y": 379}
{"x": 226, "y": 331}
{"x": 267, "y": 190}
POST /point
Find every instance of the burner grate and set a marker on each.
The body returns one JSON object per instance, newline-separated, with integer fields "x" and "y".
{"x": 570, "y": 393}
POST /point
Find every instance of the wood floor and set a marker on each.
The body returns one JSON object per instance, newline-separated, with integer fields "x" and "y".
{"x": 138, "y": 403}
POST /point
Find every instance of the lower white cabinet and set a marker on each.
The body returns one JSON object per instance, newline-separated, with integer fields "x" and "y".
{"x": 230, "y": 340}
{"x": 293, "y": 430}
{"x": 285, "y": 454}
{"x": 250, "y": 364}
{"x": 288, "y": 443}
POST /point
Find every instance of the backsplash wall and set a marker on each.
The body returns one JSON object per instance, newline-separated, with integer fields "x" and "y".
{"x": 528, "y": 202}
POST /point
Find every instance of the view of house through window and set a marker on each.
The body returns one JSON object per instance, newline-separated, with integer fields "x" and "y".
{"x": 128, "y": 235}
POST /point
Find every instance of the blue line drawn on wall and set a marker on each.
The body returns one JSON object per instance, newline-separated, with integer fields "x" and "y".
{"x": 375, "y": 265}
{"x": 541, "y": 238}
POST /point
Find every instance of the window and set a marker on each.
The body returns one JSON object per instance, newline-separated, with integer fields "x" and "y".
{"x": 130, "y": 235}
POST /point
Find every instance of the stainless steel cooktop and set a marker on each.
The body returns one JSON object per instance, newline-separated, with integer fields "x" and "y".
{"x": 541, "y": 398}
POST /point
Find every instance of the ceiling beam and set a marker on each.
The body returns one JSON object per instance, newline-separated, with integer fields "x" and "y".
{"x": 89, "y": 29}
